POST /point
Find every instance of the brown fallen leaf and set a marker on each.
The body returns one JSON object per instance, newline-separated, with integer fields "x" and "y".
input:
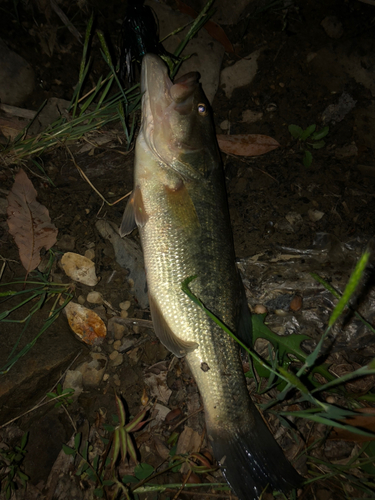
{"x": 29, "y": 222}
{"x": 246, "y": 144}
{"x": 365, "y": 422}
{"x": 212, "y": 28}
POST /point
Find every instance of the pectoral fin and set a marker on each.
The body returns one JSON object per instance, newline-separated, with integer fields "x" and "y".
{"x": 134, "y": 214}
{"x": 166, "y": 336}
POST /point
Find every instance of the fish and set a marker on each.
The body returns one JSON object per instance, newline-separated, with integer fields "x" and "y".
{"x": 179, "y": 204}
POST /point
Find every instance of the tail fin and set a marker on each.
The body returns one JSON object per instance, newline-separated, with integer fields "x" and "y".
{"x": 251, "y": 460}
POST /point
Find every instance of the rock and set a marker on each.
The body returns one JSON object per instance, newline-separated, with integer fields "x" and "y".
{"x": 81, "y": 300}
{"x": 73, "y": 380}
{"x": 90, "y": 254}
{"x": 337, "y": 112}
{"x": 315, "y": 215}
{"x": 347, "y": 151}
{"x": 66, "y": 242}
{"x": 249, "y": 116}
{"x": 225, "y": 125}
{"x": 118, "y": 360}
{"x": 93, "y": 371}
{"x": 124, "y": 306}
{"x": 17, "y": 78}
{"x": 51, "y": 112}
{"x": 119, "y": 331}
{"x": 126, "y": 344}
{"x": 95, "y": 298}
{"x": 117, "y": 344}
{"x": 85, "y": 323}
{"x": 240, "y": 73}
{"x": 295, "y": 220}
{"x": 333, "y": 27}
{"x": 129, "y": 256}
{"x": 113, "y": 355}
{"x": 36, "y": 372}
{"x": 79, "y": 268}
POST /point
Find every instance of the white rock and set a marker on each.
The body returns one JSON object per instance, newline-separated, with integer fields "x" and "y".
{"x": 93, "y": 371}
{"x": 225, "y": 125}
{"x": 249, "y": 116}
{"x": 315, "y": 215}
{"x": 95, "y": 298}
{"x": 124, "y": 306}
{"x": 239, "y": 74}
{"x": 79, "y": 268}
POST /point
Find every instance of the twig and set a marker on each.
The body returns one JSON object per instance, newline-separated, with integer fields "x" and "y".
{"x": 186, "y": 418}
{"x": 66, "y": 21}
{"x": 84, "y": 176}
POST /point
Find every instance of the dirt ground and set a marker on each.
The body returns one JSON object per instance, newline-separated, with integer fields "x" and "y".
{"x": 277, "y": 205}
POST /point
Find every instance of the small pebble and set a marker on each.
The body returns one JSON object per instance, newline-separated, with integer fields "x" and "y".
{"x": 113, "y": 355}
{"x": 81, "y": 300}
{"x": 118, "y": 331}
{"x": 131, "y": 283}
{"x": 90, "y": 254}
{"x": 124, "y": 306}
{"x": 331, "y": 400}
{"x": 105, "y": 377}
{"x": 136, "y": 329}
{"x": 116, "y": 380}
{"x": 117, "y": 344}
{"x": 281, "y": 312}
{"x": 95, "y": 298}
{"x": 124, "y": 314}
{"x": 119, "y": 359}
{"x": 110, "y": 341}
{"x": 260, "y": 309}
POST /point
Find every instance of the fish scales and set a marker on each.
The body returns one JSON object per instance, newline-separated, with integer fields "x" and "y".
{"x": 179, "y": 205}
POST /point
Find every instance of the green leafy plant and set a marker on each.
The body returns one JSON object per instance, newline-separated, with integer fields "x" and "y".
{"x": 309, "y": 138}
{"x": 63, "y": 396}
{"x": 294, "y": 380}
{"x": 120, "y": 441}
{"x": 10, "y": 467}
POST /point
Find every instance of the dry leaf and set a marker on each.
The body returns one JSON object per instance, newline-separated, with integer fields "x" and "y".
{"x": 29, "y": 222}
{"x": 85, "y": 323}
{"x": 246, "y": 144}
{"x": 365, "y": 422}
{"x": 158, "y": 386}
{"x": 212, "y": 28}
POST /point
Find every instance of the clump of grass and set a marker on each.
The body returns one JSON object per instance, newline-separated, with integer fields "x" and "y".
{"x": 99, "y": 107}
{"x": 36, "y": 291}
{"x": 305, "y": 389}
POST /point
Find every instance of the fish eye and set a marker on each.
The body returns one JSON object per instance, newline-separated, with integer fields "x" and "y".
{"x": 202, "y": 109}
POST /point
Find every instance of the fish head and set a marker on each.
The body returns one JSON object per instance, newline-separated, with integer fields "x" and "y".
{"x": 177, "y": 121}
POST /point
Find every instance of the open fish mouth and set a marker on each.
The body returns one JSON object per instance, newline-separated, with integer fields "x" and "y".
{"x": 164, "y": 104}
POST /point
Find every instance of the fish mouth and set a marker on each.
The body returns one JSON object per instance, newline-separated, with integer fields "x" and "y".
{"x": 164, "y": 104}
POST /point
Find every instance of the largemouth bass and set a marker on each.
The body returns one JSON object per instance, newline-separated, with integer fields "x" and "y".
{"x": 179, "y": 204}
